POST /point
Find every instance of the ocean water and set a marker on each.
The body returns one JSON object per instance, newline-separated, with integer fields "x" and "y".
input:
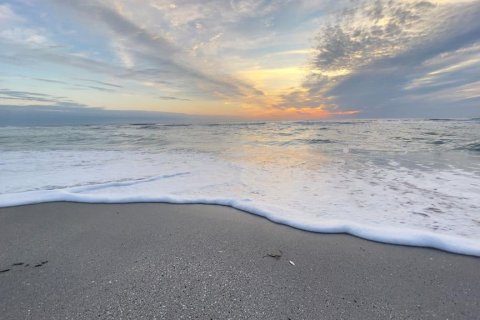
{"x": 410, "y": 182}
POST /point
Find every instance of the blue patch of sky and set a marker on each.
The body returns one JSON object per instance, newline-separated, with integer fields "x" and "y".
{"x": 292, "y": 19}
{"x": 70, "y": 34}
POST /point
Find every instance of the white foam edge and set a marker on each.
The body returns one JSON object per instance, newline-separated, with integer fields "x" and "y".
{"x": 389, "y": 235}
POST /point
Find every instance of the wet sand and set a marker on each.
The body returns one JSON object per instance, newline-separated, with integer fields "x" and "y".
{"x": 162, "y": 261}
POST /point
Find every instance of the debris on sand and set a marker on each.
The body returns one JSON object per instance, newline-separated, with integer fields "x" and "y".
{"x": 276, "y": 256}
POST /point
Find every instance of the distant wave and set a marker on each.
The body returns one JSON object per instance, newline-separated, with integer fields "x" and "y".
{"x": 452, "y": 120}
{"x": 323, "y": 123}
{"x": 157, "y": 126}
{"x": 233, "y": 124}
{"x": 177, "y": 125}
{"x": 438, "y": 142}
{"x": 471, "y": 147}
{"x": 317, "y": 141}
{"x": 146, "y": 126}
{"x": 303, "y": 141}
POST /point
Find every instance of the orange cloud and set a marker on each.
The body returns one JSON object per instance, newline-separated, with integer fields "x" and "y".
{"x": 294, "y": 105}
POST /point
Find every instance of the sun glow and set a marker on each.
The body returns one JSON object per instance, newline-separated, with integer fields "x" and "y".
{"x": 274, "y": 80}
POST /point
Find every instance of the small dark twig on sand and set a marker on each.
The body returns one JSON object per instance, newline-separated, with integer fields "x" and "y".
{"x": 276, "y": 256}
{"x": 41, "y": 264}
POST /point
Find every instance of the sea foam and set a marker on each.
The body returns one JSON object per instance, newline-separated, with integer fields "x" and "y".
{"x": 391, "y": 235}
{"x": 423, "y": 194}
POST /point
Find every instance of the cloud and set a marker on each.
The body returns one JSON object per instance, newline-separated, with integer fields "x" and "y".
{"x": 15, "y": 28}
{"x": 173, "y": 98}
{"x": 104, "y": 86}
{"x": 139, "y": 47}
{"x": 108, "y": 84}
{"x": 103, "y": 89}
{"x": 145, "y": 55}
{"x": 397, "y": 58}
{"x": 50, "y": 81}
{"x": 451, "y": 69}
{"x": 369, "y": 32}
{"x": 21, "y": 54}
{"x": 7, "y": 15}
{"x": 23, "y": 35}
{"x": 6, "y": 94}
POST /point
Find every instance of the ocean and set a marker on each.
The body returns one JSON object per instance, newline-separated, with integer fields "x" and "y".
{"x": 409, "y": 182}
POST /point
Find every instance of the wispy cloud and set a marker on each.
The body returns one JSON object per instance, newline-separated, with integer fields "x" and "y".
{"x": 173, "y": 98}
{"x": 108, "y": 84}
{"x": 6, "y": 94}
{"x": 7, "y": 15}
{"x": 145, "y": 47}
{"x": 50, "y": 81}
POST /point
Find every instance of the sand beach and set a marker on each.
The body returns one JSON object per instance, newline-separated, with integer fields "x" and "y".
{"x": 161, "y": 261}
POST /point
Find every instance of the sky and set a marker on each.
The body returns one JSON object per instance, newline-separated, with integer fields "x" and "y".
{"x": 231, "y": 59}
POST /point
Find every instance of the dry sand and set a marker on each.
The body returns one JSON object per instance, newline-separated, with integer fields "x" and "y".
{"x": 161, "y": 261}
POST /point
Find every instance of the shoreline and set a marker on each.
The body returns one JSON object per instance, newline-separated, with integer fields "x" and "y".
{"x": 184, "y": 260}
{"x": 387, "y": 235}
